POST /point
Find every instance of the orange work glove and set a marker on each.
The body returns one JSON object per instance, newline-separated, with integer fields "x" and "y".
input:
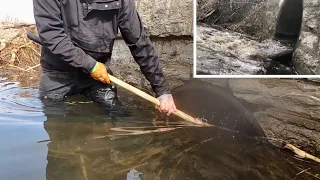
{"x": 100, "y": 73}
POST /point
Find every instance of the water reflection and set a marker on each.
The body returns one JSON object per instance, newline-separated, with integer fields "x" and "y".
{"x": 21, "y": 127}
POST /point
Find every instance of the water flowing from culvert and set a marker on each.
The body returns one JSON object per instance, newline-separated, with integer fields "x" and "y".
{"x": 76, "y": 140}
{"x": 222, "y": 52}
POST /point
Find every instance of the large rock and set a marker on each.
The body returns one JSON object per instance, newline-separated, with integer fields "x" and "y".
{"x": 176, "y": 57}
{"x": 170, "y": 26}
{"x": 307, "y": 54}
{"x": 167, "y": 17}
{"x": 288, "y": 110}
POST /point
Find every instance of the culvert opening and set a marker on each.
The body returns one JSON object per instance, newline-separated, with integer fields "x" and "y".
{"x": 289, "y": 22}
{"x": 288, "y": 28}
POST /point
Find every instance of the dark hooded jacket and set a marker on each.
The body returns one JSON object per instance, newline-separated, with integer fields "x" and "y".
{"x": 77, "y": 33}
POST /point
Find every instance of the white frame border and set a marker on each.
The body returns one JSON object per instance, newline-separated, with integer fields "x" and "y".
{"x": 230, "y": 76}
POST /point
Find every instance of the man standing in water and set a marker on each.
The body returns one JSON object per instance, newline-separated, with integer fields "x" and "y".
{"x": 78, "y": 38}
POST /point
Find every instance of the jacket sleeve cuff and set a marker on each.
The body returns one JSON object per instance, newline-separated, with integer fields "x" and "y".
{"x": 89, "y": 64}
{"x": 161, "y": 91}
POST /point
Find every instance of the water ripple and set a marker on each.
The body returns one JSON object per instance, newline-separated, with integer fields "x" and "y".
{"x": 19, "y": 104}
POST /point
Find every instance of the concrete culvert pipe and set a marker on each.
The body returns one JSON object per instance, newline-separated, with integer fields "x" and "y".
{"x": 217, "y": 105}
{"x": 298, "y": 26}
{"x": 289, "y": 22}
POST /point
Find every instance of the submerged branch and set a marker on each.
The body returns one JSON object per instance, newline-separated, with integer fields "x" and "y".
{"x": 127, "y": 132}
{"x": 301, "y": 154}
{"x": 83, "y": 166}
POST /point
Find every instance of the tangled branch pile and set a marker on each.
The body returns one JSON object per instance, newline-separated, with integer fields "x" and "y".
{"x": 17, "y": 52}
{"x": 253, "y": 17}
{"x": 205, "y": 8}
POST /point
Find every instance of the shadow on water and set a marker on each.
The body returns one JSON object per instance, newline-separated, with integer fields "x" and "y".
{"x": 218, "y": 106}
{"x": 75, "y": 140}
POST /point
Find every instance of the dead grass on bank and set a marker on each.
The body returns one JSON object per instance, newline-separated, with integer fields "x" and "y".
{"x": 17, "y": 52}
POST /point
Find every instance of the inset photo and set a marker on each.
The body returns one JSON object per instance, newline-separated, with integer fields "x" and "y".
{"x": 254, "y": 37}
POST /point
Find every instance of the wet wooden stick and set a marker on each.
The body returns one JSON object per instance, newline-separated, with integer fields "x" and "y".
{"x": 83, "y": 167}
{"x": 68, "y": 153}
{"x": 317, "y": 176}
{"x": 300, "y": 153}
{"x": 155, "y": 101}
{"x": 127, "y": 132}
{"x": 133, "y": 167}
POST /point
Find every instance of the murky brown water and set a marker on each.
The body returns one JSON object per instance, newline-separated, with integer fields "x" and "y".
{"x": 76, "y": 140}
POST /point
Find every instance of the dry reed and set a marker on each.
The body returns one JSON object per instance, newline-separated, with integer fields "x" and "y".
{"x": 17, "y": 52}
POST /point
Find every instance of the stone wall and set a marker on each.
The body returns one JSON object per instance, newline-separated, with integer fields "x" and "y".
{"x": 176, "y": 57}
{"x": 170, "y": 25}
{"x": 288, "y": 110}
{"x": 165, "y": 18}
{"x": 292, "y": 108}
{"x": 307, "y": 54}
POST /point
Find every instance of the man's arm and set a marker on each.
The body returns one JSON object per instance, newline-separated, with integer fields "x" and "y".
{"x": 49, "y": 23}
{"x": 141, "y": 48}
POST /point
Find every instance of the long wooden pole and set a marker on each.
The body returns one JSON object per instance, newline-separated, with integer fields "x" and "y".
{"x": 155, "y": 101}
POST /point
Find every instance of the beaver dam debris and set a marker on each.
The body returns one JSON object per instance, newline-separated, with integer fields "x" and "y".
{"x": 17, "y": 52}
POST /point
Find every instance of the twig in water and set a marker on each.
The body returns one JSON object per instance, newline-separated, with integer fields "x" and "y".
{"x": 134, "y": 132}
{"x": 303, "y": 95}
{"x": 69, "y": 153}
{"x": 44, "y": 141}
{"x": 300, "y": 173}
{"x": 83, "y": 166}
{"x": 159, "y": 173}
{"x": 134, "y": 167}
{"x": 301, "y": 154}
{"x": 307, "y": 172}
{"x": 178, "y": 163}
{"x": 154, "y": 153}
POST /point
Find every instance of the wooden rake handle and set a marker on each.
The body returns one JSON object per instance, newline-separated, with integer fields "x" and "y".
{"x": 154, "y": 100}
